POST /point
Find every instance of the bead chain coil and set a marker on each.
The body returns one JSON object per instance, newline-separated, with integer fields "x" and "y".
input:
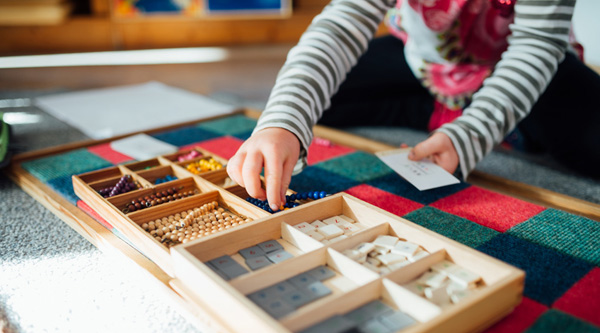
{"x": 158, "y": 198}
{"x": 204, "y": 165}
{"x": 193, "y": 224}
{"x": 291, "y": 201}
{"x": 124, "y": 185}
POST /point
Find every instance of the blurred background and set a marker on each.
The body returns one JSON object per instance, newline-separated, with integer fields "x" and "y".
{"x": 67, "y": 26}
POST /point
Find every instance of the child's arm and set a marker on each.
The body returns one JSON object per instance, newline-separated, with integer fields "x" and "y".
{"x": 540, "y": 36}
{"x": 312, "y": 73}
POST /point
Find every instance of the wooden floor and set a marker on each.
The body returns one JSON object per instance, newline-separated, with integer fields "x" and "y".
{"x": 248, "y": 71}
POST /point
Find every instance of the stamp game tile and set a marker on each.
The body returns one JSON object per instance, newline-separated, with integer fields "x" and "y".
{"x": 549, "y": 274}
{"x": 395, "y": 184}
{"x": 583, "y": 299}
{"x": 557, "y": 321}
{"x": 384, "y": 200}
{"x": 314, "y": 178}
{"x": 232, "y": 125}
{"x": 522, "y": 317}
{"x": 67, "y": 164}
{"x": 106, "y": 152}
{"x": 490, "y": 209}
{"x": 564, "y": 232}
{"x": 185, "y": 135}
{"x": 225, "y": 146}
{"x": 319, "y": 152}
{"x": 452, "y": 226}
{"x": 359, "y": 166}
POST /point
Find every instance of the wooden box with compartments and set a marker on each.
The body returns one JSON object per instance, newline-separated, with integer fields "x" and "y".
{"x": 334, "y": 264}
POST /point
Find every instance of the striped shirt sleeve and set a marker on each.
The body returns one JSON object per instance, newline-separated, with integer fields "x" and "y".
{"x": 318, "y": 64}
{"x": 539, "y": 39}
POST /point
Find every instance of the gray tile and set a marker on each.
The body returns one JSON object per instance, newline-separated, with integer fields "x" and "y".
{"x": 278, "y": 308}
{"x": 335, "y": 324}
{"x": 321, "y": 273}
{"x": 279, "y": 256}
{"x": 258, "y": 262}
{"x": 368, "y": 311}
{"x": 397, "y": 320}
{"x": 318, "y": 289}
{"x": 302, "y": 280}
{"x": 252, "y": 252}
{"x": 234, "y": 270}
{"x": 298, "y": 298}
{"x": 374, "y": 326}
{"x": 270, "y": 246}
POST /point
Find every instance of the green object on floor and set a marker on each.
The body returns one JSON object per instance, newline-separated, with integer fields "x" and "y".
{"x": 4, "y": 141}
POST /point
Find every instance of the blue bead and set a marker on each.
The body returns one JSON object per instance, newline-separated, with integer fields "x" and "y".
{"x": 322, "y": 194}
{"x": 292, "y": 197}
{"x": 303, "y": 195}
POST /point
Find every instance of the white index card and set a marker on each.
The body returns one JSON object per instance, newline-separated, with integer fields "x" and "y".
{"x": 142, "y": 147}
{"x": 424, "y": 174}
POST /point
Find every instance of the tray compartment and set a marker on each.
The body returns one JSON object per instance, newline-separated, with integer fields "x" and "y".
{"x": 182, "y": 207}
{"x": 291, "y": 240}
{"x": 183, "y": 186}
{"x": 144, "y": 165}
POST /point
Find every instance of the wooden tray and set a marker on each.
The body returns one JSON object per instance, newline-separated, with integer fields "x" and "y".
{"x": 498, "y": 291}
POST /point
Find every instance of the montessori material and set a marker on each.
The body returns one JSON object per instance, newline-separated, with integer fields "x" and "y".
{"x": 330, "y": 261}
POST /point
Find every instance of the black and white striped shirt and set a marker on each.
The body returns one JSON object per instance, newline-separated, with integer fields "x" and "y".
{"x": 337, "y": 37}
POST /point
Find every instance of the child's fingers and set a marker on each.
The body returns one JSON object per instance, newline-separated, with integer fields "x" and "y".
{"x": 286, "y": 177}
{"x": 234, "y": 168}
{"x": 252, "y": 167}
{"x": 273, "y": 174}
{"x": 422, "y": 150}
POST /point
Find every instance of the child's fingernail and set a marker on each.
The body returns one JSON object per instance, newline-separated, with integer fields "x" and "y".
{"x": 274, "y": 207}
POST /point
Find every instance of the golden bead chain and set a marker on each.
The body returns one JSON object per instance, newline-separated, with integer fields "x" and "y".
{"x": 193, "y": 224}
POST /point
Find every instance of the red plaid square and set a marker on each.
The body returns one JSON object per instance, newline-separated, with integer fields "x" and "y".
{"x": 390, "y": 202}
{"x": 490, "y": 209}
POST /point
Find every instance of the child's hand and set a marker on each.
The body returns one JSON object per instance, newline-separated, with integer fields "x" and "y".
{"x": 440, "y": 149}
{"x": 277, "y": 150}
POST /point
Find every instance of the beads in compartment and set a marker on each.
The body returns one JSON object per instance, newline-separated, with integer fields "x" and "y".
{"x": 124, "y": 185}
{"x": 189, "y": 156}
{"x": 158, "y": 198}
{"x": 291, "y": 201}
{"x": 193, "y": 224}
{"x": 204, "y": 165}
{"x": 165, "y": 179}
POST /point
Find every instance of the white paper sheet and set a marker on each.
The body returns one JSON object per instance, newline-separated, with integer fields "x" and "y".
{"x": 142, "y": 147}
{"x": 424, "y": 174}
{"x": 109, "y": 112}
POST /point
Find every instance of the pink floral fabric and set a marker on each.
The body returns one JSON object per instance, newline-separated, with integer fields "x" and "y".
{"x": 471, "y": 36}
